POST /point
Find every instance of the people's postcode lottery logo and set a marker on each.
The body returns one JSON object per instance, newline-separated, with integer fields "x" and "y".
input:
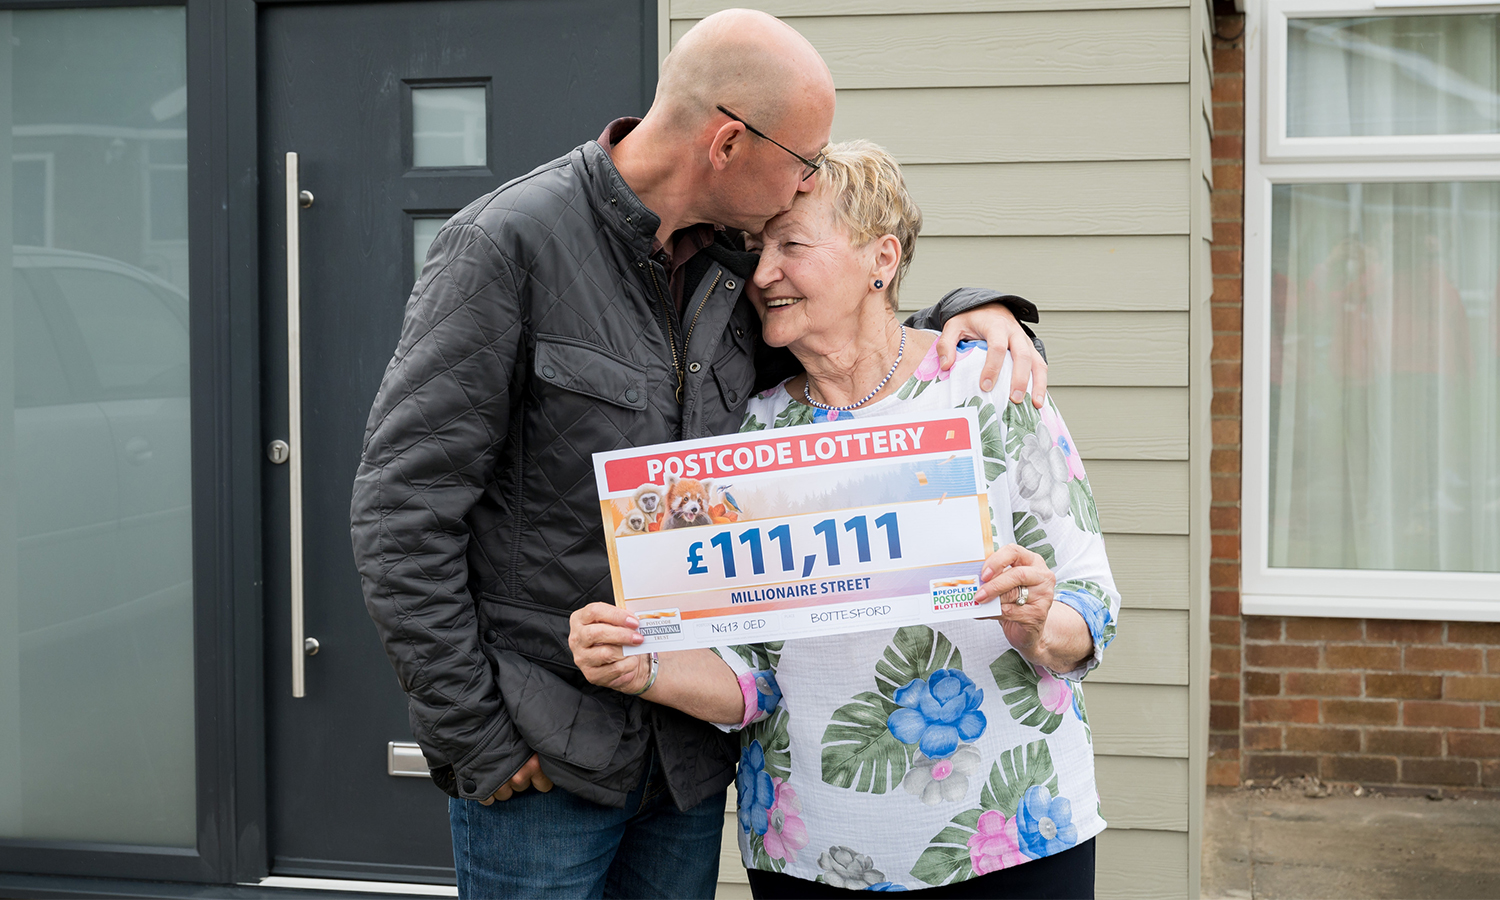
{"x": 954, "y": 593}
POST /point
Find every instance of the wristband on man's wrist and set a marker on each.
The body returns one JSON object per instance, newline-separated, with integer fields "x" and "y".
{"x": 650, "y": 679}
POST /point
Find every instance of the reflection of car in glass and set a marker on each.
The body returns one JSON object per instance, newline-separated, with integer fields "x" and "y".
{"x": 104, "y": 561}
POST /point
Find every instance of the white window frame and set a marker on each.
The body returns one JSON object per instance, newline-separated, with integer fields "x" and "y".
{"x": 1271, "y": 159}
{"x": 1280, "y": 148}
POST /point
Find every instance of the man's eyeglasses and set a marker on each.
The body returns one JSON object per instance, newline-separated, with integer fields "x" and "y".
{"x": 809, "y": 165}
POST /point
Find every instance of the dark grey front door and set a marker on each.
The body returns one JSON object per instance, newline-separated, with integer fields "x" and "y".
{"x": 400, "y": 113}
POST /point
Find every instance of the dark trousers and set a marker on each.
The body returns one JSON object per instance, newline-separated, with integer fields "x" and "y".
{"x": 1068, "y": 875}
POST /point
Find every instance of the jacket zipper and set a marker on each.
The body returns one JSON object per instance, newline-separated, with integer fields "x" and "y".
{"x": 701, "y": 303}
{"x": 677, "y": 368}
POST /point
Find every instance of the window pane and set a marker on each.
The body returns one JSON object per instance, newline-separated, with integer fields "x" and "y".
{"x": 1393, "y": 75}
{"x": 448, "y": 127}
{"x": 133, "y": 335}
{"x": 1385, "y": 377}
{"x": 168, "y": 209}
{"x": 40, "y": 379}
{"x": 96, "y": 603}
{"x": 423, "y": 232}
{"x": 31, "y": 182}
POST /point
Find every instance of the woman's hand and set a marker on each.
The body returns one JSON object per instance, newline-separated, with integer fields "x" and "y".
{"x": 598, "y": 636}
{"x": 697, "y": 682}
{"x": 997, "y": 326}
{"x": 1004, "y": 574}
{"x": 1048, "y": 634}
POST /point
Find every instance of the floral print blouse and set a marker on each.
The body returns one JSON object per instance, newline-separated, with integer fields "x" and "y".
{"x": 912, "y": 757}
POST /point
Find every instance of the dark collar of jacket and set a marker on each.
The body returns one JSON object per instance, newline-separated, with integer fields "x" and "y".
{"x": 615, "y": 205}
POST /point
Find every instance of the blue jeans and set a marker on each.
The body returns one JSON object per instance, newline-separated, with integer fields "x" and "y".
{"x": 558, "y": 845}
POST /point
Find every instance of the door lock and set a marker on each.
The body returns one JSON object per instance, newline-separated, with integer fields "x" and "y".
{"x": 278, "y": 451}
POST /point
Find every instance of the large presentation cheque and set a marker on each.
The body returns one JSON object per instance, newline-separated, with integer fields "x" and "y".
{"x": 791, "y": 532}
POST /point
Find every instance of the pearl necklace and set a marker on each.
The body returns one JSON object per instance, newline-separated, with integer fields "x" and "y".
{"x": 807, "y": 395}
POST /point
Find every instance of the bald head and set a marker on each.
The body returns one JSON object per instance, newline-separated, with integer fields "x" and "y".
{"x": 748, "y": 61}
{"x": 690, "y": 163}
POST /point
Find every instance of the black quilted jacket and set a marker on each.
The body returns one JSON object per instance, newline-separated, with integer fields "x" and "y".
{"x": 539, "y": 333}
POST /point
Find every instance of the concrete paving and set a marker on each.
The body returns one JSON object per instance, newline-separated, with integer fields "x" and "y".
{"x": 1289, "y": 843}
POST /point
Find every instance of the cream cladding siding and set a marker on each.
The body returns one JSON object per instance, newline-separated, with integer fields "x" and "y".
{"x": 1059, "y": 149}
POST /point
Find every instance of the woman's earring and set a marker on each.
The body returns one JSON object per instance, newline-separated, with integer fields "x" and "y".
{"x": 879, "y": 284}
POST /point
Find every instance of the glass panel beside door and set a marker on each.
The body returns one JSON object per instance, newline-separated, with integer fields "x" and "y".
{"x": 96, "y": 599}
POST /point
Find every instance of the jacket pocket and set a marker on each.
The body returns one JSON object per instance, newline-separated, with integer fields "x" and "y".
{"x": 558, "y": 714}
{"x": 533, "y": 630}
{"x": 583, "y": 368}
{"x": 559, "y": 720}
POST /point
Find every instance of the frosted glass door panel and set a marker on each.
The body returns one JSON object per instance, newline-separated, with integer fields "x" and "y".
{"x": 448, "y": 127}
{"x": 96, "y": 599}
{"x": 423, "y": 232}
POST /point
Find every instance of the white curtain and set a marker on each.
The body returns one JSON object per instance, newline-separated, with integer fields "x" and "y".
{"x": 1385, "y": 377}
{"x": 1393, "y": 75}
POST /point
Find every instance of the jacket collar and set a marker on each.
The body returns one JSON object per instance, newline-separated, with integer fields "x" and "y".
{"x": 614, "y": 203}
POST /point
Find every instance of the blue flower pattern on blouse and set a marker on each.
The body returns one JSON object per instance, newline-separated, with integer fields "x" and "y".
{"x": 1094, "y": 611}
{"x": 939, "y": 713}
{"x": 767, "y": 691}
{"x": 755, "y": 792}
{"x": 1043, "y": 824}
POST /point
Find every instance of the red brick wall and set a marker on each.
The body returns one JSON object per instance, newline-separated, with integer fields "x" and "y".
{"x": 1380, "y": 702}
{"x": 1390, "y": 704}
{"x": 1225, "y": 760}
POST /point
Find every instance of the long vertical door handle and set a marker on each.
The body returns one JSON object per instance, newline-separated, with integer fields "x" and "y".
{"x": 296, "y": 198}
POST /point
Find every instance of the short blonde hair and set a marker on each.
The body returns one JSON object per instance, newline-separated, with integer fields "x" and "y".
{"x": 870, "y": 200}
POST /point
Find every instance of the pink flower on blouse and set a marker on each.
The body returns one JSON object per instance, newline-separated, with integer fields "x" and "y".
{"x": 749, "y": 690}
{"x": 1055, "y": 693}
{"x": 995, "y": 845}
{"x": 787, "y": 833}
{"x": 929, "y": 368}
{"x": 1064, "y": 441}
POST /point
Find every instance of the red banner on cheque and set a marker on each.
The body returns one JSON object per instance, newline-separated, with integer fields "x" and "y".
{"x": 770, "y": 451}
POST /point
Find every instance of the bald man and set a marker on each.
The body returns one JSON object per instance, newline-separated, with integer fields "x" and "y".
{"x": 593, "y": 304}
